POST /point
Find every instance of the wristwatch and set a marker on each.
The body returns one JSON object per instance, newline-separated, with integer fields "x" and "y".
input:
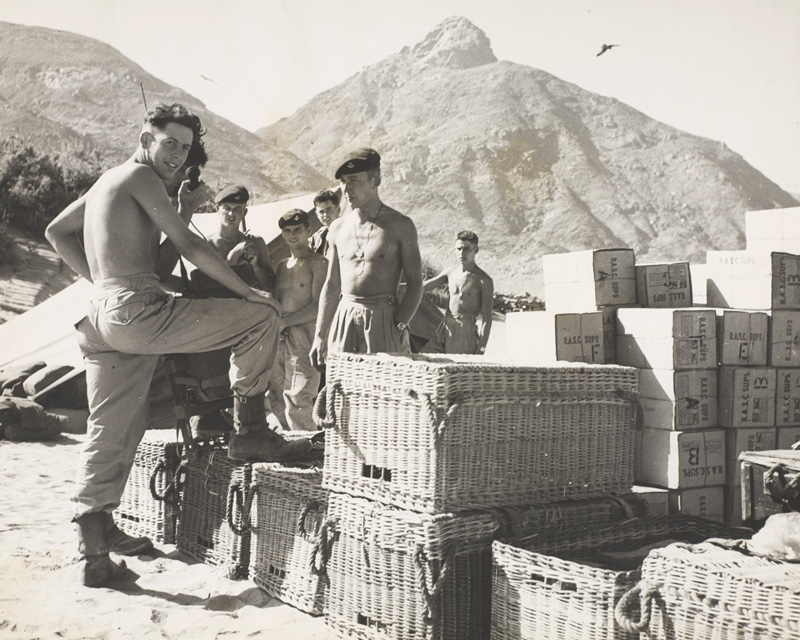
{"x": 402, "y": 326}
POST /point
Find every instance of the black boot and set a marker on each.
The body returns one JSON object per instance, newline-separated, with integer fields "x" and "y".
{"x": 209, "y": 424}
{"x": 122, "y": 543}
{"x": 255, "y": 441}
{"x": 96, "y": 569}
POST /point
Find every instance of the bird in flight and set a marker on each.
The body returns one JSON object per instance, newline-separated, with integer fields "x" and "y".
{"x": 605, "y": 48}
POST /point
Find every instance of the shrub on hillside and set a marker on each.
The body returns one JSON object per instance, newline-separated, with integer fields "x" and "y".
{"x": 35, "y": 187}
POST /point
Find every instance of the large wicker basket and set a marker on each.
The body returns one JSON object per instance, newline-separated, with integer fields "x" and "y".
{"x": 287, "y": 534}
{"x": 447, "y": 433}
{"x": 149, "y": 505}
{"x": 546, "y": 587}
{"x": 397, "y": 574}
{"x": 214, "y": 524}
{"x": 707, "y": 592}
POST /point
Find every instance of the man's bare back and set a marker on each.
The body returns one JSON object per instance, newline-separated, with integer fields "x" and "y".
{"x": 117, "y": 232}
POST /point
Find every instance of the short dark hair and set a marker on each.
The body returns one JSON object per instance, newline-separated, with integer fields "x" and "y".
{"x": 469, "y": 236}
{"x": 162, "y": 114}
{"x": 197, "y": 156}
{"x": 327, "y": 195}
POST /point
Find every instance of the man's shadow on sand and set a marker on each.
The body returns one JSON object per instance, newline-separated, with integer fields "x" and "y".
{"x": 250, "y": 597}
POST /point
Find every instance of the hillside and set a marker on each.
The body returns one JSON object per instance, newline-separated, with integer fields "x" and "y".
{"x": 533, "y": 164}
{"x": 61, "y": 92}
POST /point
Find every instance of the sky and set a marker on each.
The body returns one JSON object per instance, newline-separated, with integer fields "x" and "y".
{"x": 728, "y": 70}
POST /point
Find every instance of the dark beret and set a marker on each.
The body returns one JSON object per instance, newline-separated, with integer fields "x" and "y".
{"x": 294, "y": 216}
{"x": 358, "y": 160}
{"x": 235, "y": 193}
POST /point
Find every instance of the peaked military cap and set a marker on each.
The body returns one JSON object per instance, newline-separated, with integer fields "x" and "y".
{"x": 294, "y": 216}
{"x": 235, "y": 193}
{"x": 357, "y": 160}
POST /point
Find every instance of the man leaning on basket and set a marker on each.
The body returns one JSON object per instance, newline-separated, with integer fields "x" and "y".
{"x": 131, "y": 321}
{"x": 370, "y": 248}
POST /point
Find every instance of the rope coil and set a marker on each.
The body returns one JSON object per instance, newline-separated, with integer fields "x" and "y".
{"x": 642, "y": 595}
{"x": 244, "y": 504}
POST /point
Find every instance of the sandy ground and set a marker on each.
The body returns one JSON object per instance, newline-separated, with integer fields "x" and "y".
{"x": 168, "y": 594}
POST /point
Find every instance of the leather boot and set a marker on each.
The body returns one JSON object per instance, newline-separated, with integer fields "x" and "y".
{"x": 254, "y": 441}
{"x": 96, "y": 569}
{"x": 209, "y": 424}
{"x": 122, "y": 543}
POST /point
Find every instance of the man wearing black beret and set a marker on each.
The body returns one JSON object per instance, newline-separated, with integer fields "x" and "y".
{"x": 235, "y": 245}
{"x": 370, "y": 249}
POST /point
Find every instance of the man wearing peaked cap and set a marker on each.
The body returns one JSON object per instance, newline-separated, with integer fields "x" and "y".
{"x": 363, "y": 159}
{"x": 233, "y": 243}
{"x": 370, "y": 249}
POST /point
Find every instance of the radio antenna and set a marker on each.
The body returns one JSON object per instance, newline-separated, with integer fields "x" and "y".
{"x": 141, "y": 86}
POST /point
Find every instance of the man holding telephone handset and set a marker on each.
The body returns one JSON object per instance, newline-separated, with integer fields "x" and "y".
{"x": 131, "y": 320}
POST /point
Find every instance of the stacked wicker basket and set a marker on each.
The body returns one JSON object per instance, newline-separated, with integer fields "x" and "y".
{"x": 428, "y": 459}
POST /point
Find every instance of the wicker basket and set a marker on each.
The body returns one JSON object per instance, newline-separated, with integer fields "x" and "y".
{"x": 290, "y": 509}
{"x": 448, "y": 433}
{"x": 214, "y": 523}
{"x": 707, "y": 592}
{"x": 546, "y": 586}
{"x": 149, "y": 505}
{"x": 402, "y": 575}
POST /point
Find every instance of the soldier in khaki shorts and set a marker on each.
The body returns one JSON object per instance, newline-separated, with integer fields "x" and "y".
{"x": 369, "y": 249}
{"x": 131, "y": 321}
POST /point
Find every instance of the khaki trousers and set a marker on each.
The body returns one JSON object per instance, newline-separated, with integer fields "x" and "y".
{"x": 130, "y": 322}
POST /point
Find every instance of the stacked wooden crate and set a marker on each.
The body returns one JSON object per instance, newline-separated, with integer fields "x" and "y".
{"x": 583, "y": 290}
{"x": 681, "y": 447}
{"x": 429, "y": 457}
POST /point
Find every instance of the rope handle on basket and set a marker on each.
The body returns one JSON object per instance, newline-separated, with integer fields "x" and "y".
{"x": 783, "y": 487}
{"x": 323, "y": 545}
{"x": 245, "y": 505}
{"x": 431, "y": 591}
{"x": 175, "y": 485}
{"x": 437, "y": 426}
{"x": 644, "y": 592}
{"x": 311, "y": 505}
{"x": 324, "y": 412}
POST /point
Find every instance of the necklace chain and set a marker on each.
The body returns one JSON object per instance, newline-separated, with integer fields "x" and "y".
{"x": 360, "y": 252}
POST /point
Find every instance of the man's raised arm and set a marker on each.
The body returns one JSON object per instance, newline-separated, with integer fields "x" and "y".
{"x": 150, "y": 194}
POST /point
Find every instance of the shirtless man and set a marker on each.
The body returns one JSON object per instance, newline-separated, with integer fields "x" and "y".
{"x": 326, "y": 205}
{"x": 236, "y": 246}
{"x": 370, "y": 248}
{"x": 471, "y": 295}
{"x": 131, "y": 321}
{"x": 298, "y": 283}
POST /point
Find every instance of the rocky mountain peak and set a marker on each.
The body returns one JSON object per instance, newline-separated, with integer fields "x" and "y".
{"x": 455, "y": 43}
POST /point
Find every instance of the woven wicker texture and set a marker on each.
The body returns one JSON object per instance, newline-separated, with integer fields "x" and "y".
{"x": 401, "y": 575}
{"x": 544, "y": 587}
{"x": 447, "y": 433}
{"x": 149, "y": 504}
{"x": 569, "y": 516}
{"x": 705, "y": 592}
{"x": 290, "y": 509}
{"x": 214, "y": 497}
